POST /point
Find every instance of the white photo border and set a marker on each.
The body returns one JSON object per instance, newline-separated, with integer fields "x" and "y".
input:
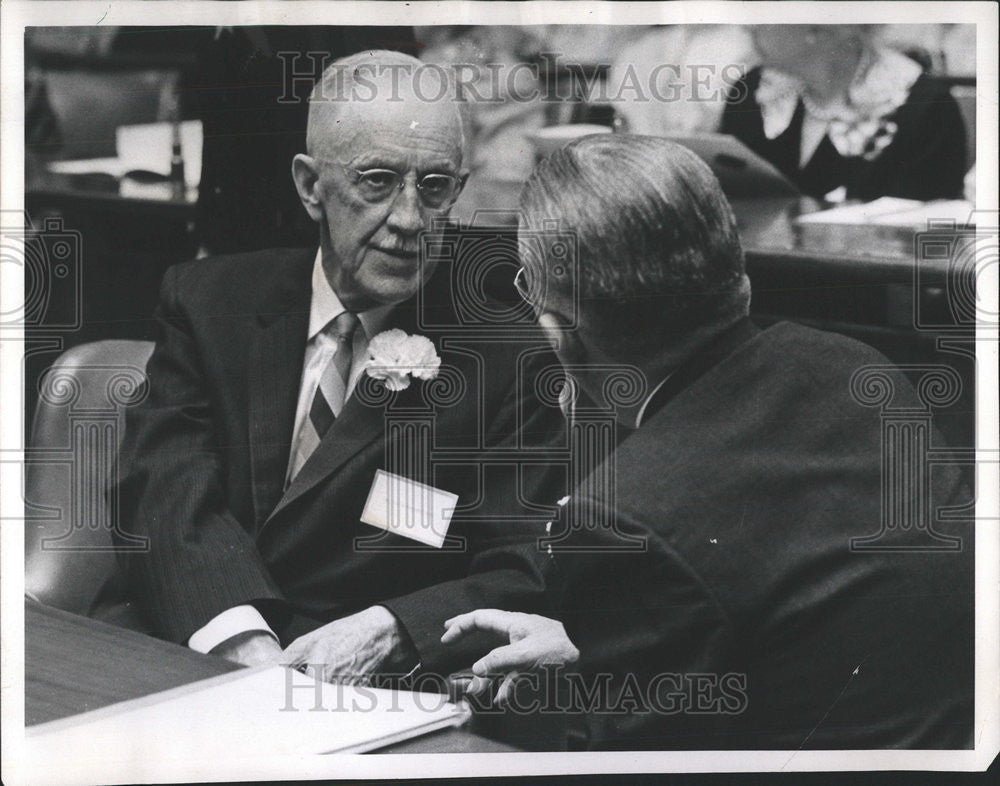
{"x": 17, "y": 15}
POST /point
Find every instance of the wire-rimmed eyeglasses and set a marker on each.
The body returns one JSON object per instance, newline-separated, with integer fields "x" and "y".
{"x": 436, "y": 189}
{"x": 523, "y": 287}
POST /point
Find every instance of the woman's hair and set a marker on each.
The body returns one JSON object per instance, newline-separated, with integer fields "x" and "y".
{"x": 795, "y": 48}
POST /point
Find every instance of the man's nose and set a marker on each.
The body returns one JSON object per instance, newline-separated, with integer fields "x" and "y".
{"x": 405, "y": 216}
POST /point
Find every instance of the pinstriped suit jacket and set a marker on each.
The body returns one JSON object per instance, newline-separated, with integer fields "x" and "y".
{"x": 202, "y": 470}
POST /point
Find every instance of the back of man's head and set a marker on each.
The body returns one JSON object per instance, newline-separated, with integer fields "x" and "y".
{"x": 659, "y": 256}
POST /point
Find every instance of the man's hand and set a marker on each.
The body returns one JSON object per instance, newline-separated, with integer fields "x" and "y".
{"x": 252, "y": 648}
{"x": 535, "y": 641}
{"x": 354, "y": 647}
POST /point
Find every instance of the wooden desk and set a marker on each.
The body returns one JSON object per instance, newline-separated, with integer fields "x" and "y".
{"x": 73, "y": 664}
{"x": 47, "y": 190}
{"x": 773, "y": 238}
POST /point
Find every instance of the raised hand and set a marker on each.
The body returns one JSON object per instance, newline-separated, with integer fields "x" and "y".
{"x": 535, "y": 641}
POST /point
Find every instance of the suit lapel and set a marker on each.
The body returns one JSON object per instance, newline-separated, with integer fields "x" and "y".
{"x": 276, "y": 357}
{"x": 360, "y": 423}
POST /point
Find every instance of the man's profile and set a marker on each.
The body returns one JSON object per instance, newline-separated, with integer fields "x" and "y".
{"x": 746, "y": 470}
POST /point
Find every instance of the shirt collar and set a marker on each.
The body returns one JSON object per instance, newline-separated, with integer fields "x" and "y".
{"x": 326, "y": 306}
{"x": 567, "y": 400}
{"x": 642, "y": 410}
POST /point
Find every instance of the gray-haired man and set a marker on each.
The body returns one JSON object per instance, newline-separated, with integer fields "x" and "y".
{"x": 726, "y": 607}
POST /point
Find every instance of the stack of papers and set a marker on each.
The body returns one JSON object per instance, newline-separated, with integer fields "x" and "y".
{"x": 270, "y": 711}
{"x": 891, "y": 211}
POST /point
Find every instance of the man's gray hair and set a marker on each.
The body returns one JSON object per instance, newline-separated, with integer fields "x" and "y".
{"x": 659, "y": 253}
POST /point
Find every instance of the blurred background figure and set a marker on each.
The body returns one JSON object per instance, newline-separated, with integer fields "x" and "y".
{"x": 845, "y": 116}
{"x": 941, "y": 48}
{"x": 521, "y": 79}
{"x": 690, "y": 67}
{"x": 500, "y": 154}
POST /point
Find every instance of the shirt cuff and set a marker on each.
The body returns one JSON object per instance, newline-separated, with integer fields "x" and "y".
{"x": 231, "y": 622}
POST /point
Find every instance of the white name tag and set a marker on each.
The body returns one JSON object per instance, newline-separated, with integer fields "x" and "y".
{"x": 413, "y": 510}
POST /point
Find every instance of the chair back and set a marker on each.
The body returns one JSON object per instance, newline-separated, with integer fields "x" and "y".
{"x": 90, "y": 106}
{"x": 70, "y": 560}
{"x": 965, "y": 97}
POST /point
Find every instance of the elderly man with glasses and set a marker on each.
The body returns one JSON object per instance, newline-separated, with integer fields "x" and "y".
{"x": 287, "y": 385}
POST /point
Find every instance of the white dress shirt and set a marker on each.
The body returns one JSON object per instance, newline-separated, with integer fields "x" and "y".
{"x": 324, "y": 307}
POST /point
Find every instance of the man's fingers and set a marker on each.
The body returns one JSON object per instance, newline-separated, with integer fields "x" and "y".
{"x": 493, "y": 620}
{"x": 503, "y": 659}
{"x": 478, "y": 685}
{"x": 503, "y": 693}
{"x": 452, "y": 632}
{"x": 474, "y": 620}
{"x": 330, "y": 676}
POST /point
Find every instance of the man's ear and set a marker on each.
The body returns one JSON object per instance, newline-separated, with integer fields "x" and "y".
{"x": 305, "y": 173}
{"x": 565, "y": 343}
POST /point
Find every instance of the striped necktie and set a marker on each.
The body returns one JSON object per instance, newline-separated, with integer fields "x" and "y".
{"x": 337, "y": 342}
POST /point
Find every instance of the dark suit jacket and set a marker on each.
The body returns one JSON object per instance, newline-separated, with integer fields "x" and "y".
{"x": 752, "y": 472}
{"x": 203, "y": 469}
{"x": 926, "y": 159}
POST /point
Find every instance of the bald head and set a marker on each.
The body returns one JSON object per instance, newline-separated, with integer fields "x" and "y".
{"x": 384, "y": 162}
{"x": 369, "y": 92}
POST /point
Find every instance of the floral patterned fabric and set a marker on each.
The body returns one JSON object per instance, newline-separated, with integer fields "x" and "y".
{"x": 857, "y": 125}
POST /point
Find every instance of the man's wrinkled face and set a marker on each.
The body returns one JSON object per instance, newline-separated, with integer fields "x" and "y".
{"x": 370, "y": 234}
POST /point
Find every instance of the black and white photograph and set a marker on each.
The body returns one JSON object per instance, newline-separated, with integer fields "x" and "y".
{"x": 576, "y": 387}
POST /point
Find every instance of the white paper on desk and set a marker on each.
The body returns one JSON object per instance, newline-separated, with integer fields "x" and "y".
{"x": 149, "y": 146}
{"x": 254, "y": 712}
{"x": 957, "y": 210}
{"x": 89, "y": 166}
{"x": 893, "y": 211}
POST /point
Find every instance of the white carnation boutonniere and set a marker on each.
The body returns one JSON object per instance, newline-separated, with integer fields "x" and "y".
{"x": 395, "y": 356}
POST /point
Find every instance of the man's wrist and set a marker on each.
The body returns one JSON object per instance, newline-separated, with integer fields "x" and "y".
{"x": 250, "y": 648}
{"x": 224, "y": 626}
{"x": 401, "y": 654}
